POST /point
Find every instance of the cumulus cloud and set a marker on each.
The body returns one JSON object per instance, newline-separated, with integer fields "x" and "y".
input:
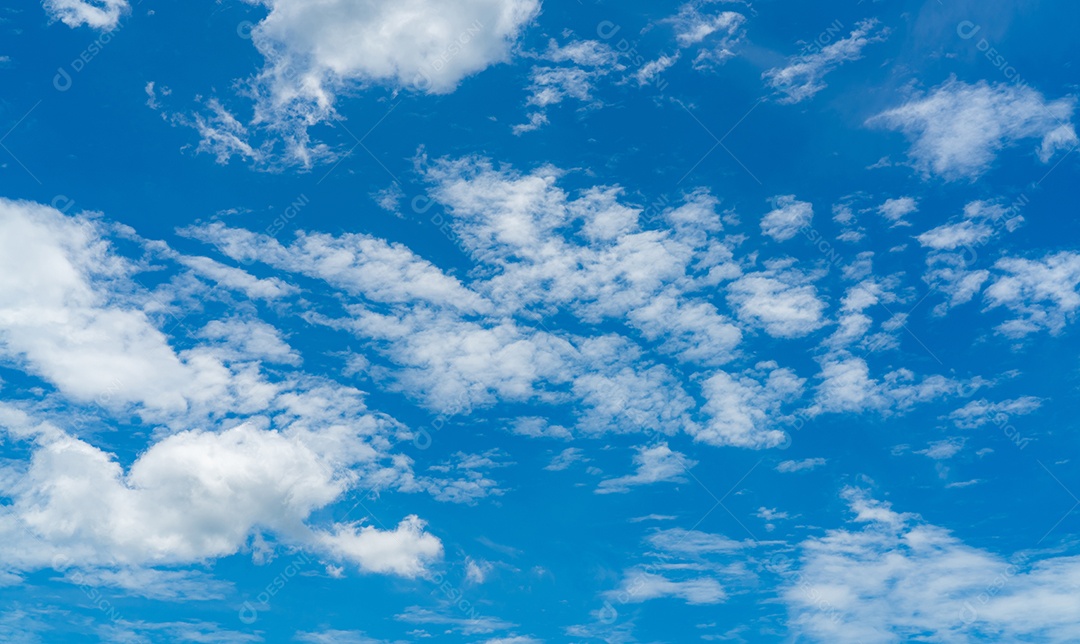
{"x": 315, "y": 53}
{"x": 781, "y": 299}
{"x": 190, "y": 497}
{"x": 745, "y": 411}
{"x": 1042, "y": 293}
{"x": 900, "y": 578}
{"x": 639, "y": 586}
{"x": 894, "y": 210}
{"x": 846, "y": 386}
{"x": 958, "y": 129}
{"x": 802, "y": 76}
{"x": 99, "y": 14}
{"x": 655, "y": 464}
{"x": 787, "y": 217}
{"x": 404, "y": 551}
{"x": 62, "y": 322}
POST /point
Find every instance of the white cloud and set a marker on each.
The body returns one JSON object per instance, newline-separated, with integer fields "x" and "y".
{"x": 190, "y": 497}
{"x": 745, "y": 411}
{"x": 61, "y": 321}
{"x": 900, "y": 579}
{"x": 895, "y": 210}
{"x": 787, "y": 218}
{"x": 580, "y": 64}
{"x": 1042, "y": 293}
{"x": 656, "y": 464}
{"x": 780, "y": 299}
{"x": 715, "y": 34}
{"x": 694, "y": 543}
{"x": 335, "y": 636}
{"x": 957, "y": 129}
{"x": 99, "y": 14}
{"x": 405, "y": 550}
{"x": 943, "y": 449}
{"x": 472, "y": 625}
{"x": 565, "y": 459}
{"x": 980, "y": 412}
{"x": 639, "y": 586}
{"x": 315, "y": 53}
{"x": 462, "y": 478}
{"x": 799, "y": 466}
{"x": 802, "y": 77}
{"x": 847, "y": 387}
{"x": 476, "y": 571}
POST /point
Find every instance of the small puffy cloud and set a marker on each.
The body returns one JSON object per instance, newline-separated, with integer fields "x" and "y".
{"x": 980, "y": 412}
{"x": 405, "y": 550}
{"x": 99, "y": 14}
{"x": 476, "y": 571}
{"x": 1043, "y": 294}
{"x": 780, "y": 299}
{"x": 847, "y": 387}
{"x": 745, "y": 411}
{"x": 799, "y": 466}
{"x": 787, "y": 217}
{"x": 654, "y": 465}
{"x": 802, "y": 77}
{"x": 980, "y": 223}
{"x": 465, "y": 624}
{"x": 943, "y": 449}
{"x": 957, "y": 129}
{"x": 894, "y": 210}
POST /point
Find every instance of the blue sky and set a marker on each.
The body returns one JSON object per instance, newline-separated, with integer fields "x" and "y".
{"x": 503, "y": 321}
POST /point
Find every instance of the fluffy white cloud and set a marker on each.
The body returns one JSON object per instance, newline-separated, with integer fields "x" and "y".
{"x": 957, "y": 129}
{"x": 315, "y": 52}
{"x": 190, "y": 497}
{"x": 787, "y": 217}
{"x": 62, "y": 322}
{"x": 1044, "y": 294}
{"x": 655, "y": 464}
{"x": 745, "y": 411}
{"x": 847, "y": 387}
{"x": 405, "y": 550}
{"x": 99, "y": 14}
{"x": 896, "y": 209}
{"x": 780, "y": 299}
{"x": 802, "y": 77}
{"x": 900, "y": 579}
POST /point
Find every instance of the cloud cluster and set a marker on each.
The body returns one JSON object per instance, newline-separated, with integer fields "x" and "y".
{"x": 99, "y": 14}
{"x": 801, "y": 78}
{"x": 901, "y": 578}
{"x": 957, "y": 129}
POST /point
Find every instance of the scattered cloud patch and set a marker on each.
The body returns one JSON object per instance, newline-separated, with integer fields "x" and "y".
{"x": 957, "y": 129}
